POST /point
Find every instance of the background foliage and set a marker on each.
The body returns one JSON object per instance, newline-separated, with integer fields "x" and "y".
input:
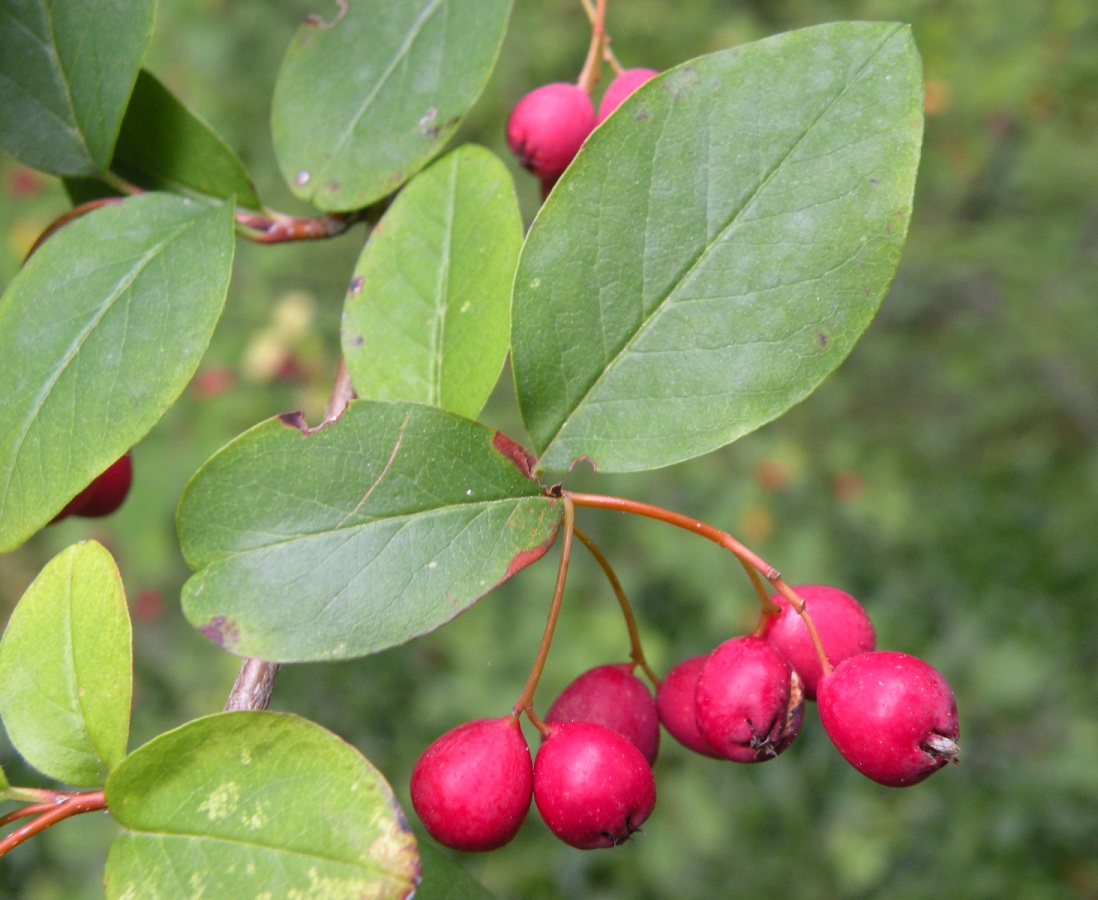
{"x": 946, "y": 475}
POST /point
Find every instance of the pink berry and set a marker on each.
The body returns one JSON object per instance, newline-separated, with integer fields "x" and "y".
{"x": 472, "y": 787}
{"x": 547, "y": 127}
{"x": 842, "y": 624}
{"x": 892, "y": 716}
{"x": 621, "y": 87}
{"x": 675, "y": 702}
{"x": 613, "y": 696}
{"x": 592, "y": 787}
{"x": 105, "y": 494}
{"x": 749, "y": 703}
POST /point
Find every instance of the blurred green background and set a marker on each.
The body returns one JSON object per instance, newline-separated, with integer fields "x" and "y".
{"x": 947, "y": 476}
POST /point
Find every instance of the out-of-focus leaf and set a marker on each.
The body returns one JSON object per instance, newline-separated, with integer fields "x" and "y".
{"x": 428, "y": 312}
{"x": 66, "y": 668}
{"x": 444, "y": 879}
{"x": 253, "y": 804}
{"x": 364, "y": 101}
{"x": 379, "y": 527}
{"x": 717, "y": 246}
{"x": 99, "y": 333}
{"x": 66, "y": 72}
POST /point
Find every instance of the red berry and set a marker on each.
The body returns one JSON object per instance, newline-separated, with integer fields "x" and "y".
{"x": 472, "y": 787}
{"x": 749, "y": 703}
{"x": 621, "y": 87}
{"x": 675, "y": 702}
{"x": 613, "y": 696}
{"x": 892, "y": 716}
{"x": 592, "y": 787}
{"x": 843, "y": 626}
{"x": 547, "y": 127}
{"x": 105, "y": 494}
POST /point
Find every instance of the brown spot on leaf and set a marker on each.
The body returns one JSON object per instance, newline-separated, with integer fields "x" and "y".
{"x": 823, "y": 339}
{"x": 524, "y": 558}
{"x": 519, "y": 455}
{"x": 357, "y": 341}
{"x": 356, "y": 285}
{"x": 222, "y": 631}
{"x": 294, "y": 419}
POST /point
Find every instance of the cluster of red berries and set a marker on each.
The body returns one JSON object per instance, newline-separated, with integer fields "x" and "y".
{"x": 104, "y": 495}
{"x": 892, "y": 716}
{"x": 547, "y": 126}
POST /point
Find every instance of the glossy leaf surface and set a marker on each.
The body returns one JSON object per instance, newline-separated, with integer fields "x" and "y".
{"x": 364, "y": 100}
{"x": 377, "y": 528}
{"x": 252, "y": 804}
{"x": 427, "y": 316}
{"x": 99, "y": 333}
{"x": 66, "y": 72}
{"x": 717, "y": 246}
{"x": 66, "y": 668}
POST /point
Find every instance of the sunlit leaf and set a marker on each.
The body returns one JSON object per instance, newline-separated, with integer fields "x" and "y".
{"x": 375, "y": 529}
{"x": 253, "y": 804}
{"x": 99, "y": 333}
{"x": 717, "y": 246}
{"x": 365, "y": 99}
{"x": 427, "y": 317}
{"x": 66, "y": 668}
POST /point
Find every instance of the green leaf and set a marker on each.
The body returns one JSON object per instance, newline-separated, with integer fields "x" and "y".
{"x": 444, "y": 879}
{"x": 163, "y": 145}
{"x": 717, "y": 246}
{"x": 66, "y": 668}
{"x": 379, "y": 527}
{"x": 254, "y": 804}
{"x": 99, "y": 333}
{"x": 427, "y": 317}
{"x": 364, "y": 101}
{"x": 66, "y": 72}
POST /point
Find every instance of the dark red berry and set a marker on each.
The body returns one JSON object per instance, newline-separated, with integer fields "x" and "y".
{"x": 613, "y": 696}
{"x": 892, "y": 716}
{"x": 621, "y": 87}
{"x": 842, "y": 624}
{"x": 592, "y": 787}
{"x": 749, "y": 703}
{"x": 675, "y": 702}
{"x": 547, "y": 127}
{"x": 472, "y": 787}
{"x": 105, "y": 494}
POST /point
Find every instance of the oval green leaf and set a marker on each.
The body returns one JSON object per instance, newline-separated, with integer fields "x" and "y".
{"x": 164, "y": 146}
{"x": 364, "y": 101}
{"x": 99, "y": 333}
{"x": 428, "y": 312}
{"x": 717, "y": 246}
{"x": 66, "y": 668}
{"x": 66, "y": 72}
{"x": 254, "y": 804}
{"x": 379, "y": 527}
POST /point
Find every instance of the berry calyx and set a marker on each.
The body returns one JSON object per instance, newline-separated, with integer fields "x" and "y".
{"x": 749, "y": 703}
{"x": 841, "y": 622}
{"x": 613, "y": 696}
{"x": 105, "y": 494}
{"x": 547, "y": 127}
{"x": 675, "y": 703}
{"x": 621, "y": 87}
{"x": 892, "y": 716}
{"x": 471, "y": 788}
{"x": 592, "y": 787}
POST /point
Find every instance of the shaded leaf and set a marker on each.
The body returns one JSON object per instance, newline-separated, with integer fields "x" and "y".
{"x": 444, "y": 879}
{"x": 377, "y": 528}
{"x": 252, "y": 804}
{"x": 66, "y": 668}
{"x": 364, "y": 101}
{"x": 427, "y": 317}
{"x": 99, "y": 333}
{"x": 717, "y": 246}
{"x": 164, "y": 146}
{"x": 66, "y": 72}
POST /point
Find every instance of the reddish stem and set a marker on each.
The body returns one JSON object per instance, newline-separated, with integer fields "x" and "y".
{"x": 526, "y": 698}
{"x": 69, "y": 805}
{"x": 62, "y": 220}
{"x": 589, "y": 75}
